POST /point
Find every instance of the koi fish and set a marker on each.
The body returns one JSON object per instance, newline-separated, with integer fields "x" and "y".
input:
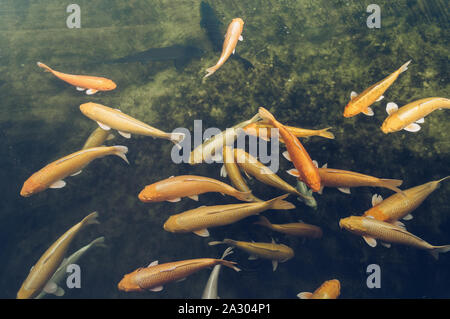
{"x": 234, "y": 33}
{"x": 198, "y": 220}
{"x": 155, "y": 276}
{"x": 252, "y": 166}
{"x": 371, "y": 230}
{"x": 92, "y": 84}
{"x": 210, "y": 149}
{"x": 97, "y": 138}
{"x": 397, "y": 206}
{"x": 344, "y": 180}
{"x": 173, "y": 188}
{"x": 295, "y": 153}
{"x": 330, "y": 289}
{"x": 362, "y": 102}
{"x": 210, "y": 291}
{"x": 53, "y": 285}
{"x": 407, "y": 117}
{"x": 263, "y": 131}
{"x": 231, "y": 169}
{"x": 49, "y": 262}
{"x": 108, "y": 118}
{"x": 52, "y": 175}
{"x": 293, "y": 229}
{"x": 272, "y": 251}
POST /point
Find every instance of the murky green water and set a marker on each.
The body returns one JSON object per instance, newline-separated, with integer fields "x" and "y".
{"x": 307, "y": 57}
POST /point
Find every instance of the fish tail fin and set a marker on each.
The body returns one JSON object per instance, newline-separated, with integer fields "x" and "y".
{"x": 245, "y": 196}
{"x": 266, "y": 115}
{"x": 263, "y": 221}
{"x": 214, "y": 243}
{"x": 279, "y": 203}
{"x": 227, "y": 252}
{"x": 91, "y": 219}
{"x": 230, "y": 264}
{"x": 44, "y": 66}
{"x": 176, "y": 138}
{"x": 99, "y": 242}
{"x": 210, "y": 71}
{"x": 326, "y": 133}
{"x": 443, "y": 179}
{"x": 392, "y": 184}
{"x": 121, "y": 151}
{"x": 439, "y": 250}
{"x": 404, "y": 67}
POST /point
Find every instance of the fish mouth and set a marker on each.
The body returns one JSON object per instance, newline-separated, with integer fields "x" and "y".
{"x": 385, "y": 129}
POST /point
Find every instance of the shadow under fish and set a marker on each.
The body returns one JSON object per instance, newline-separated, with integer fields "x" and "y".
{"x": 213, "y": 28}
{"x": 181, "y": 55}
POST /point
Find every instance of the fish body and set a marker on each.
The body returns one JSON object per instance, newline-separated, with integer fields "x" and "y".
{"x": 53, "y": 174}
{"x": 293, "y": 229}
{"x": 371, "y": 230}
{"x": 173, "y": 188}
{"x": 362, "y": 102}
{"x": 399, "y": 206}
{"x": 155, "y": 276}
{"x": 93, "y": 84}
{"x": 344, "y": 180}
{"x": 409, "y": 115}
{"x": 49, "y": 262}
{"x": 232, "y": 37}
{"x": 330, "y": 289}
{"x": 263, "y": 131}
{"x": 296, "y": 153}
{"x": 231, "y": 169}
{"x": 61, "y": 272}
{"x": 213, "y": 147}
{"x": 126, "y": 125}
{"x": 97, "y": 138}
{"x": 198, "y": 220}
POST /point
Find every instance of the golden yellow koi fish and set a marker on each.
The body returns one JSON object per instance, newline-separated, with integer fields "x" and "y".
{"x": 293, "y": 229}
{"x": 330, "y": 289}
{"x": 97, "y": 138}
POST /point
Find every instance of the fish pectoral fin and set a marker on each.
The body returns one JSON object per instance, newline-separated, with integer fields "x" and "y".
{"x": 304, "y": 295}
{"x": 80, "y": 88}
{"x": 223, "y": 171}
{"x": 194, "y": 197}
{"x": 91, "y": 91}
{"x": 287, "y": 156}
{"x": 413, "y": 127}
{"x": 387, "y": 245}
{"x": 58, "y": 184}
{"x": 103, "y": 126}
{"x": 391, "y": 107}
{"x": 353, "y": 95}
{"x": 156, "y": 289}
{"x": 344, "y": 190}
{"x": 420, "y": 121}
{"x": 76, "y": 173}
{"x": 241, "y": 38}
{"x": 202, "y": 232}
{"x": 376, "y": 199}
{"x": 252, "y": 257}
{"x": 380, "y": 98}
{"x": 408, "y": 217}
{"x": 293, "y": 172}
{"x": 274, "y": 265}
{"x": 399, "y": 224}
{"x": 124, "y": 134}
{"x": 372, "y": 242}
{"x": 174, "y": 200}
{"x": 368, "y": 111}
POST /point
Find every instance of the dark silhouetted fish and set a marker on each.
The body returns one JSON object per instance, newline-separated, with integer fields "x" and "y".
{"x": 181, "y": 55}
{"x": 213, "y": 28}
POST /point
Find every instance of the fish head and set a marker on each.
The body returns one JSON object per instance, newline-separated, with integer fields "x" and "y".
{"x": 351, "y": 110}
{"x": 170, "y": 225}
{"x": 352, "y": 224}
{"x": 30, "y": 187}
{"x": 24, "y": 293}
{"x": 315, "y": 186}
{"x": 149, "y": 194}
{"x": 391, "y": 124}
{"x": 128, "y": 283}
{"x": 88, "y": 109}
{"x": 332, "y": 288}
{"x": 238, "y": 20}
{"x": 108, "y": 85}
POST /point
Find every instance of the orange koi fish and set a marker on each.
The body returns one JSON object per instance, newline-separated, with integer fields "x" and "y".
{"x": 155, "y": 276}
{"x": 92, "y": 84}
{"x": 232, "y": 37}
{"x": 296, "y": 153}
{"x": 362, "y": 102}
{"x": 173, "y": 188}
{"x": 330, "y": 289}
{"x": 407, "y": 117}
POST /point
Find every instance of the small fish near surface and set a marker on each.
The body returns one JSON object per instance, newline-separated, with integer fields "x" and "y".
{"x": 173, "y": 188}
{"x": 198, "y": 220}
{"x": 52, "y": 175}
{"x": 108, "y": 118}
{"x": 409, "y": 116}
{"x": 180, "y": 54}
{"x": 330, "y": 289}
{"x": 155, "y": 276}
{"x": 210, "y": 290}
{"x": 272, "y": 251}
{"x": 233, "y": 35}
{"x": 49, "y": 262}
{"x": 97, "y": 138}
{"x": 371, "y": 230}
{"x": 293, "y": 229}
{"x": 92, "y": 84}
{"x": 362, "y": 102}
{"x": 399, "y": 206}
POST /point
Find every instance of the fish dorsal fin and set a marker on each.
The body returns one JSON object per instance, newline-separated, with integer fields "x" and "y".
{"x": 372, "y": 242}
{"x": 391, "y": 107}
